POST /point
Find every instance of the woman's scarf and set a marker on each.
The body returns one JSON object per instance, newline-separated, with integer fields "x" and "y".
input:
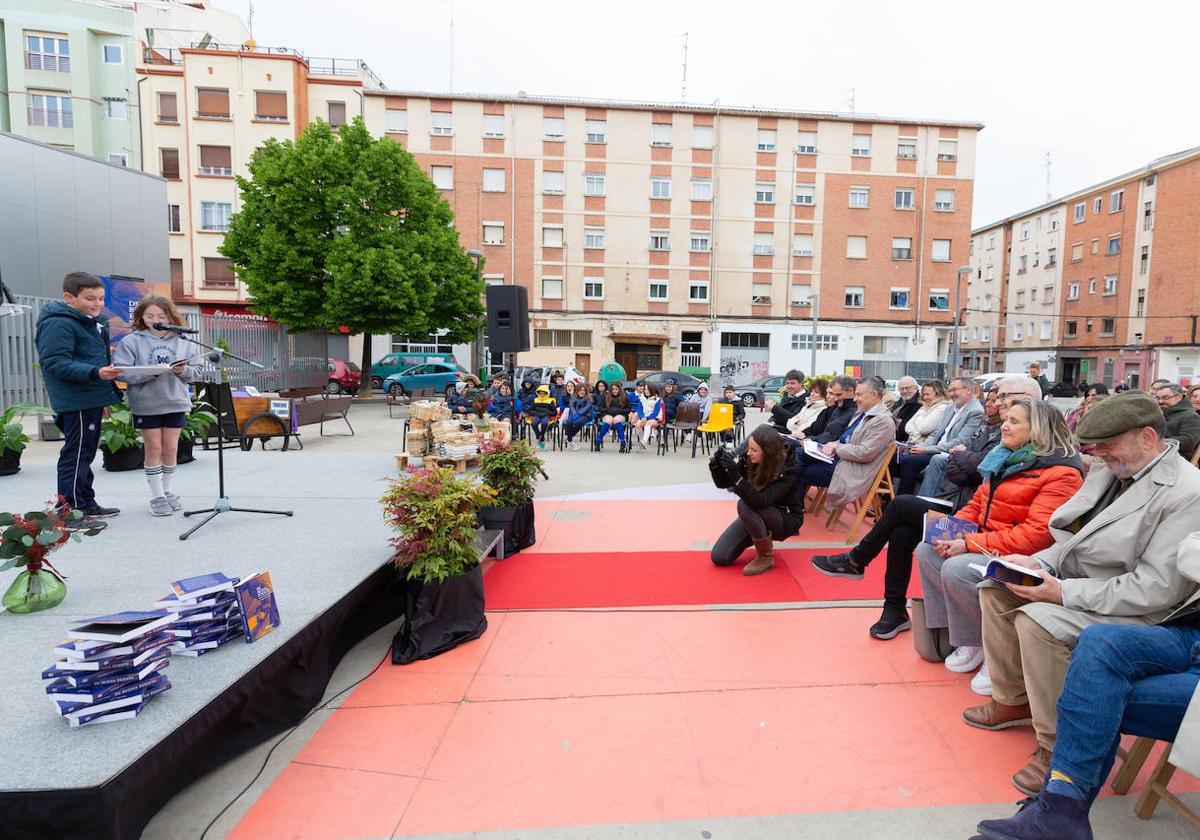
{"x": 1002, "y": 462}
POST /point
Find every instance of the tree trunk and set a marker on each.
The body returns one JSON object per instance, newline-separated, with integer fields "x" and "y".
{"x": 364, "y": 386}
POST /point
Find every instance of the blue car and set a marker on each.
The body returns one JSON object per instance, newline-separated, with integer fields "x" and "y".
{"x": 431, "y": 377}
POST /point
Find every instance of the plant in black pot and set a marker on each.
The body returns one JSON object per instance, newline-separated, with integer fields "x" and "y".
{"x": 199, "y": 420}
{"x": 435, "y": 513}
{"x": 13, "y": 437}
{"x": 510, "y": 469}
{"x": 120, "y": 442}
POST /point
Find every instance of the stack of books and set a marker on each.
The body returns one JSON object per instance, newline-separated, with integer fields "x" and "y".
{"x": 206, "y": 613}
{"x": 111, "y": 667}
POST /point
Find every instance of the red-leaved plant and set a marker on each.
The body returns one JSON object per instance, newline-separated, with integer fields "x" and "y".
{"x": 28, "y": 538}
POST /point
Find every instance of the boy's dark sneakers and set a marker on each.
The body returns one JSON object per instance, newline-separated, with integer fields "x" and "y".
{"x": 838, "y": 565}
{"x": 890, "y": 624}
{"x": 85, "y": 524}
{"x": 99, "y": 512}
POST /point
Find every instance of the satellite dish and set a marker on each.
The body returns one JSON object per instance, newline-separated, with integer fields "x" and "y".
{"x": 250, "y": 45}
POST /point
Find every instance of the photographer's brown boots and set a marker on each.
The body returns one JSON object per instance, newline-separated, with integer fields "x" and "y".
{"x": 764, "y": 557}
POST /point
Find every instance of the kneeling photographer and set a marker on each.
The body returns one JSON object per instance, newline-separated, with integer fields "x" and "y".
{"x": 769, "y": 508}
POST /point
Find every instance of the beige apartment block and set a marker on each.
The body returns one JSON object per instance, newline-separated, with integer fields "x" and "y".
{"x": 985, "y": 292}
{"x": 1032, "y": 297}
{"x": 664, "y": 235}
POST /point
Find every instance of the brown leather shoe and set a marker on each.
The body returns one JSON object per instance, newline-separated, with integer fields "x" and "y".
{"x": 994, "y": 716}
{"x": 1030, "y": 778}
{"x": 764, "y": 557}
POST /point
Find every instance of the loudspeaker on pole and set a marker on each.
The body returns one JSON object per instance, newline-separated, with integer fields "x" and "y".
{"x": 508, "y": 319}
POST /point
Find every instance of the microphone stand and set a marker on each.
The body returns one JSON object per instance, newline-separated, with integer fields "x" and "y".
{"x": 221, "y": 505}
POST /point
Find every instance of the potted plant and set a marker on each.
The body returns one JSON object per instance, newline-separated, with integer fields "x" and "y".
{"x": 27, "y": 540}
{"x": 120, "y": 441}
{"x": 199, "y": 420}
{"x": 510, "y": 469}
{"x": 435, "y": 513}
{"x": 13, "y": 437}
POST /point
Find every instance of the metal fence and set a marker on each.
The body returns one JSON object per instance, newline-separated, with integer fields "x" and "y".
{"x": 289, "y": 360}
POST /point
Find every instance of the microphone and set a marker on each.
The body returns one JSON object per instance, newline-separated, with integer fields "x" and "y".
{"x": 175, "y": 329}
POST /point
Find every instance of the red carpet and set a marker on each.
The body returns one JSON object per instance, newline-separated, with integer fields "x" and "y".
{"x": 647, "y": 579}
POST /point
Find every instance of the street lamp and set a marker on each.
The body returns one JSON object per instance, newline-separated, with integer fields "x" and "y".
{"x": 478, "y": 257}
{"x": 966, "y": 269}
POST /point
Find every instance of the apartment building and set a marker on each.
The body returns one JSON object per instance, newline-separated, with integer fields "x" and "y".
{"x": 1031, "y": 298}
{"x": 703, "y": 237}
{"x": 979, "y": 333}
{"x": 67, "y": 77}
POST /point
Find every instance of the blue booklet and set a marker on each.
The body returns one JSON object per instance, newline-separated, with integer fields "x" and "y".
{"x": 260, "y": 613}
{"x": 947, "y": 528}
{"x": 129, "y": 695}
{"x": 120, "y": 627}
{"x": 201, "y": 585}
{"x": 118, "y": 661}
{"x": 93, "y": 679}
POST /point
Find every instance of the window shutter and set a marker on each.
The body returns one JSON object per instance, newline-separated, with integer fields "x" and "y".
{"x": 212, "y": 102}
{"x": 271, "y": 105}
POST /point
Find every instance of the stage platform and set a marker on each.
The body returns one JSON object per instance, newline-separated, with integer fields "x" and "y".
{"x": 329, "y": 566}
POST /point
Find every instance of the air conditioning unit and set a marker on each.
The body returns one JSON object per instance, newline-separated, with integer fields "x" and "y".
{"x": 672, "y": 343}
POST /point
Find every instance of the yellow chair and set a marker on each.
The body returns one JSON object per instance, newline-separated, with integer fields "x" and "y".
{"x": 720, "y": 419}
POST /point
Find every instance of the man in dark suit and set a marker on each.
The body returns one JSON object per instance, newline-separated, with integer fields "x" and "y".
{"x": 795, "y": 395}
{"x": 910, "y": 401}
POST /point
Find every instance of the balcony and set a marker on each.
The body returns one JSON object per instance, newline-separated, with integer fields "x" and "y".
{"x": 161, "y": 55}
{"x": 690, "y": 360}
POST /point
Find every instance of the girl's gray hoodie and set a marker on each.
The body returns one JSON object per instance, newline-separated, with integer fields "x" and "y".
{"x": 165, "y": 393}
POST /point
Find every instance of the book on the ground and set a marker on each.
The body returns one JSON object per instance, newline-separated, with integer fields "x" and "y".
{"x": 121, "y": 627}
{"x": 939, "y": 527}
{"x": 813, "y": 450}
{"x": 201, "y": 585}
{"x": 260, "y": 612}
{"x": 1006, "y": 572}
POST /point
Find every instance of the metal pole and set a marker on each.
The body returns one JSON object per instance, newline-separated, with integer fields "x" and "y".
{"x": 478, "y": 257}
{"x": 957, "y": 318}
{"x": 812, "y": 368}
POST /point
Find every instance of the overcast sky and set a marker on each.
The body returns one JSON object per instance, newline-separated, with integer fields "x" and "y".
{"x": 1102, "y": 86}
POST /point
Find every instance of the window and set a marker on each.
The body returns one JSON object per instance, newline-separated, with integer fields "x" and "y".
{"x": 1108, "y": 326}
{"x": 660, "y": 134}
{"x": 1095, "y": 246}
{"x": 1110, "y": 284}
{"x": 906, "y": 148}
{"x": 552, "y": 287}
{"x": 214, "y": 215}
{"x": 760, "y": 294}
{"x": 1017, "y": 332}
{"x": 169, "y": 163}
{"x": 493, "y": 279}
{"x": 595, "y": 131}
{"x": 1022, "y": 264}
{"x": 593, "y": 237}
{"x": 764, "y": 193}
{"x": 941, "y": 250}
{"x": 1051, "y": 257}
{"x": 1114, "y": 245}
{"x": 493, "y": 233}
{"x": 441, "y": 123}
{"x": 992, "y": 242}
{"x": 443, "y": 177}
{"x": 1080, "y": 211}
{"x": 660, "y": 187}
{"x": 1097, "y": 204}
{"x": 493, "y": 180}
{"x": 47, "y": 52}
{"x": 1091, "y": 285}
{"x": 562, "y": 338}
{"x": 764, "y": 243}
{"x": 1073, "y": 291}
{"x": 216, "y": 160}
{"x": 947, "y": 150}
{"x": 1148, "y": 216}
{"x": 766, "y": 139}
{"x": 119, "y": 159}
{"x": 218, "y": 273}
{"x": 964, "y": 335}
{"x": 1140, "y": 312}
{"x": 174, "y": 225}
{"x": 114, "y": 54}
{"x": 898, "y": 299}
{"x": 806, "y": 194}
{"x": 1048, "y": 294}
{"x": 939, "y": 300}
{"x": 801, "y": 294}
{"x": 212, "y": 102}
{"x": 697, "y": 291}
{"x": 593, "y": 288}
{"x": 701, "y": 241}
{"x": 991, "y": 273}
{"x": 116, "y": 109}
{"x": 1020, "y": 304}
{"x": 1144, "y": 262}
{"x": 493, "y": 125}
{"x": 1116, "y": 201}
{"x": 552, "y": 236}
{"x": 854, "y": 297}
{"x": 901, "y": 248}
{"x": 1024, "y": 231}
{"x": 593, "y": 184}
{"x": 904, "y": 198}
{"x": 168, "y": 108}
{"x": 860, "y": 196}
{"x": 658, "y": 289}
{"x": 1072, "y": 329}
{"x": 272, "y": 105}
{"x": 943, "y": 201}
{"x": 702, "y": 136}
{"x": 804, "y": 341}
{"x": 856, "y": 247}
{"x": 1077, "y": 252}
{"x": 1045, "y": 332}
{"x": 1032, "y": 297}
{"x": 806, "y": 142}
{"x": 702, "y": 190}
{"x": 802, "y": 245}
{"x": 985, "y": 334}
{"x": 553, "y": 182}
{"x": 860, "y": 145}
{"x": 395, "y": 121}
{"x": 337, "y": 113}
{"x": 1053, "y": 221}
{"x": 660, "y": 240}
{"x": 553, "y": 128}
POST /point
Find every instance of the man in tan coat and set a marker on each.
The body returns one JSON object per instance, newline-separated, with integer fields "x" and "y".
{"x": 864, "y": 446}
{"x": 1113, "y": 561}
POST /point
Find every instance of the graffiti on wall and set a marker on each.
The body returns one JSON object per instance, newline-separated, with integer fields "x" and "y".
{"x": 738, "y": 369}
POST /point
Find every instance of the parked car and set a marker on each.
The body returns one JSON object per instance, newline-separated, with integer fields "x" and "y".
{"x": 986, "y": 379}
{"x": 344, "y": 377}
{"x": 756, "y": 394}
{"x": 543, "y": 373}
{"x": 685, "y": 381}
{"x": 396, "y": 362}
{"x": 437, "y": 376}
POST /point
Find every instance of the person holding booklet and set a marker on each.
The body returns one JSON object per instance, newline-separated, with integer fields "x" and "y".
{"x": 160, "y": 401}
{"x": 1034, "y": 469}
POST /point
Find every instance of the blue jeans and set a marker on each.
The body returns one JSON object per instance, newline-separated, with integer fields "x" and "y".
{"x": 935, "y": 475}
{"x": 540, "y": 427}
{"x": 909, "y": 471}
{"x": 1122, "y": 678}
{"x": 809, "y": 472}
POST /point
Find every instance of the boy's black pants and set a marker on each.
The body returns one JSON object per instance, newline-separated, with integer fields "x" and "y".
{"x": 82, "y": 432}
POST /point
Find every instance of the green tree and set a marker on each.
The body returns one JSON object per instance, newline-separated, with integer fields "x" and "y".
{"x": 340, "y": 229}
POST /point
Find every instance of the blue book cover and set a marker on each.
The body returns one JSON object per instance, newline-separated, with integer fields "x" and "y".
{"x": 201, "y": 585}
{"x": 260, "y": 612}
{"x": 112, "y": 715}
{"x": 121, "y": 627}
{"x": 127, "y": 695}
{"x": 947, "y": 528}
{"x": 90, "y": 679}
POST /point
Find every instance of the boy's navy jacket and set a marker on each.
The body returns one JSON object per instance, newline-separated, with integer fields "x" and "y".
{"x": 457, "y": 401}
{"x": 503, "y": 406}
{"x": 72, "y": 347}
{"x": 583, "y": 410}
{"x": 670, "y": 404}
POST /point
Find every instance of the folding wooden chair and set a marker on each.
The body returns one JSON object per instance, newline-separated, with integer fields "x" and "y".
{"x": 1156, "y": 787}
{"x": 881, "y": 488}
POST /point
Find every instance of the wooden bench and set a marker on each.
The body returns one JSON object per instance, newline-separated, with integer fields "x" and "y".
{"x": 318, "y": 411}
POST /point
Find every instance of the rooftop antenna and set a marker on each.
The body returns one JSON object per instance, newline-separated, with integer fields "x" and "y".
{"x": 250, "y": 19}
{"x": 451, "y": 46}
{"x": 1049, "y": 163}
{"x": 683, "y": 92}
{"x": 850, "y": 101}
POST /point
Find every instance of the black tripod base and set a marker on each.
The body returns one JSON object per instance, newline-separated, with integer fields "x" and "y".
{"x": 222, "y": 506}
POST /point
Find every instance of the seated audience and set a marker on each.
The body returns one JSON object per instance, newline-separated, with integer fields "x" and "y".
{"x": 928, "y": 416}
{"x": 959, "y": 422}
{"x": 729, "y": 395}
{"x": 459, "y": 402}
{"x": 1183, "y": 424}
{"x": 769, "y": 508}
{"x": 650, "y": 414}
{"x": 907, "y": 405}
{"x": 671, "y": 399}
{"x": 1193, "y": 396}
{"x": 1089, "y": 391}
{"x": 613, "y": 415}
{"x": 702, "y": 398}
{"x": 582, "y": 413}
{"x": 838, "y": 413}
{"x": 934, "y": 482}
{"x": 542, "y": 412}
{"x": 1113, "y": 561}
{"x": 526, "y": 394}
{"x": 790, "y": 403}
{"x": 813, "y": 406}
{"x": 503, "y": 406}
